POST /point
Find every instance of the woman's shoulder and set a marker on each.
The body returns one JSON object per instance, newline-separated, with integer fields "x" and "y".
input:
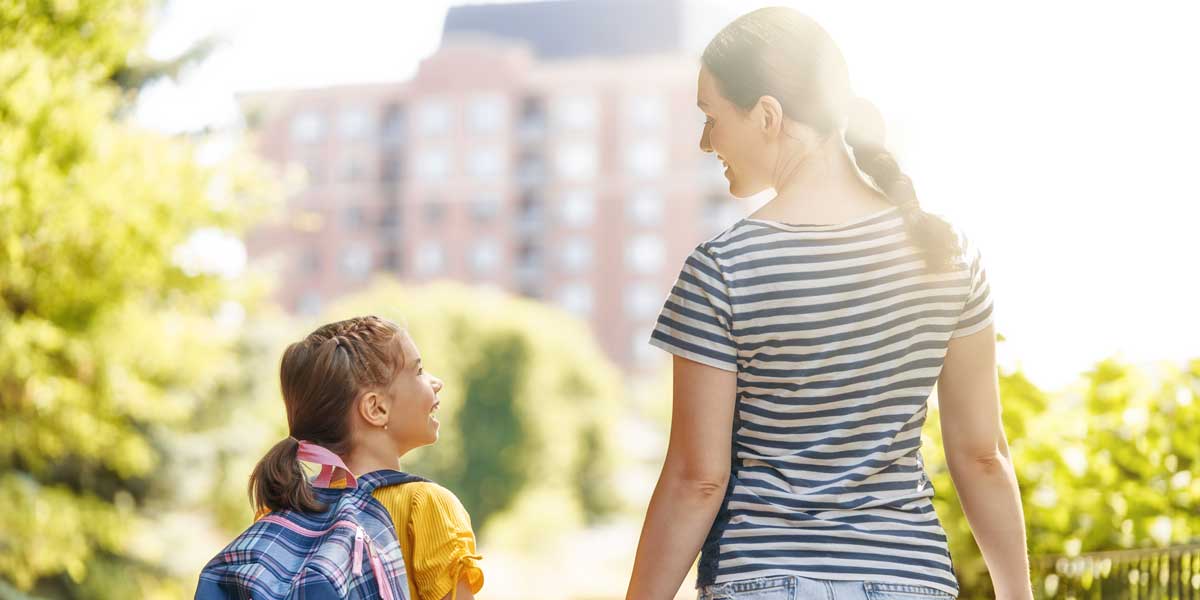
{"x": 733, "y": 239}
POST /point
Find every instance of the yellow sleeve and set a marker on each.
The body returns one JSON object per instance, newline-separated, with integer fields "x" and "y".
{"x": 443, "y": 543}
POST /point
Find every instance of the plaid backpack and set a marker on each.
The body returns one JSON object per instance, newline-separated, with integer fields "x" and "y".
{"x": 315, "y": 556}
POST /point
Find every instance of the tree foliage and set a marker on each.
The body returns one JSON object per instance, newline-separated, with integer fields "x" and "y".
{"x": 1112, "y": 462}
{"x": 108, "y": 343}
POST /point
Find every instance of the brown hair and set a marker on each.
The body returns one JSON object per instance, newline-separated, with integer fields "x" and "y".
{"x": 321, "y": 376}
{"x": 782, "y": 53}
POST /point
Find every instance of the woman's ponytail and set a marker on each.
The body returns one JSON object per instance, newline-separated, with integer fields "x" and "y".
{"x": 280, "y": 483}
{"x": 779, "y": 52}
{"x": 932, "y": 234}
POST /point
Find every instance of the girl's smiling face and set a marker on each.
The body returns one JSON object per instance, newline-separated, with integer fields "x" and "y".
{"x": 413, "y": 394}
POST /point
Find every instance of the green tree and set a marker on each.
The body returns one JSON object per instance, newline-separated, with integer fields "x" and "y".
{"x": 109, "y": 345}
{"x": 1111, "y": 462}
{"x": 494, "y": 457}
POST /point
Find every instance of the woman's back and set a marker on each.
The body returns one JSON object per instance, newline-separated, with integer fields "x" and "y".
{"x": 837, "y": 334}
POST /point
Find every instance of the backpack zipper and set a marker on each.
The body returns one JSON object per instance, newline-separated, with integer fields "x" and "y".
{"x": 358, "y": 550}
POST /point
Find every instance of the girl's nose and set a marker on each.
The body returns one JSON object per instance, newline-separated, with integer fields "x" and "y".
{"x": 437, "y": 384}
{"x": 705, "y": 146}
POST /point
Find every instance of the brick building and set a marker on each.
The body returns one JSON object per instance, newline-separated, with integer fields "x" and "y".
{"x": 546, "y": 148}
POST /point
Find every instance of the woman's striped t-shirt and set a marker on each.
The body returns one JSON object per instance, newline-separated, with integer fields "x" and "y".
{"x": 837, "y": 334}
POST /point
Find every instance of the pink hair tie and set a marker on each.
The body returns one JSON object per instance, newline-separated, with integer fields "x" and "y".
{"x": 330, "y": 463}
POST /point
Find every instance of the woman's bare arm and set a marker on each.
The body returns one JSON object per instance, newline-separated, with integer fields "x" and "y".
{"x": 692, "y": 484}
{"x": 978, "y": 458}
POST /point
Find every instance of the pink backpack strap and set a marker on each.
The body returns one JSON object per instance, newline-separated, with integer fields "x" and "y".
{"x": 330, "y": 463}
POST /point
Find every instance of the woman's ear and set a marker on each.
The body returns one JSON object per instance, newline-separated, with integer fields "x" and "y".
{"x": 770, "y": 117}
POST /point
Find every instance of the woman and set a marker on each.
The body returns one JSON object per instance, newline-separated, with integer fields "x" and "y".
{"x": 807, "y": 339}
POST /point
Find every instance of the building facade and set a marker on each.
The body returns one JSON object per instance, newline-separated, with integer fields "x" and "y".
{"x": 542, "y": 150}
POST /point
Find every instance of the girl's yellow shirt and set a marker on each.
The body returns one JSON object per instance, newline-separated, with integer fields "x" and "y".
{"x": 435, "y": 537}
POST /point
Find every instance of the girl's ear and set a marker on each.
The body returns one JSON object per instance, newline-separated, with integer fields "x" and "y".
{"x": 373, "y": 409}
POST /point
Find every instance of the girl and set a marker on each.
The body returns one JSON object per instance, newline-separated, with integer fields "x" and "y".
{"x": 357, "y": 388}
{"x": 807, "y": 339}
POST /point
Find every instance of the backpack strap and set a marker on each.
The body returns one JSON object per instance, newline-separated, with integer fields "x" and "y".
{"x": 385, "y": 477}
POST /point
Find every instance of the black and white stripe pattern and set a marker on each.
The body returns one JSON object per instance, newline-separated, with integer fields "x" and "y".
{"x": 837, "y": 335}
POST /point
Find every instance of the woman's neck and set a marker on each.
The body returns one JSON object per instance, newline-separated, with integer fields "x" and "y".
{"x": 824, "y": 187}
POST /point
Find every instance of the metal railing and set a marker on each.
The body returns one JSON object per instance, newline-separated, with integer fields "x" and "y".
{"x": 1170, "y": 573}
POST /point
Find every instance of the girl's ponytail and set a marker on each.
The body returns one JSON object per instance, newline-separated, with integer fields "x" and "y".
{"x": 280, "y": 483}
{"x": 320, "y": 377}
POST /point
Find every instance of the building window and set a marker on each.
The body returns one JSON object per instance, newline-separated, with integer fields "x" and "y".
{"x": 352, "y": 217}
{"x": 532, "y": 125}
{"x": 391, "y": 166}
{"x": 646, "y": 111}
{"x": 644, "y": 254}
{"x": 391, "y": 260}
{"x": 529, "y": 213}
{"x": 433, "y": 164}
{"x": 354, "y": 122}
{"x": 577, "y": 299}
{"x": 577, "y": 255}
{"x": 487, "y": 113}
{"x": 487, "y": 163}
{"x": 430, "y": 258}
{"x": 309, "y": 262}
{"x": 394, "y": 124}
{"x": 351, "y": 168}
{"x": 435, "y": 212}
{"x": 433, "y": 118}
{"x": 646, "y": 159}
{"x": 389, "y": 217}
{"x": 529, "y": 270}
{"x": 307, "y": 127}
{"x": 485, "y": 207}
{"x": 356, "y": 261}
{"x": 642, "y": 301}
{"x": 577, "y": 161}
{"x": 485, "y": 257}
{"x": 578, "y": 207}
{"x": 645, "y": 207}
{"x": 577, "y": 113}
{"x": 531, "y": 168}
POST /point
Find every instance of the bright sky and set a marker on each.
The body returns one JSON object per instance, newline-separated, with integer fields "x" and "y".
{"x": 1063, "y": 136}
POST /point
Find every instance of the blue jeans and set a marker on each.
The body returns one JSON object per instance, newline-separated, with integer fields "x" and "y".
{"x": 791, "y": 587}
